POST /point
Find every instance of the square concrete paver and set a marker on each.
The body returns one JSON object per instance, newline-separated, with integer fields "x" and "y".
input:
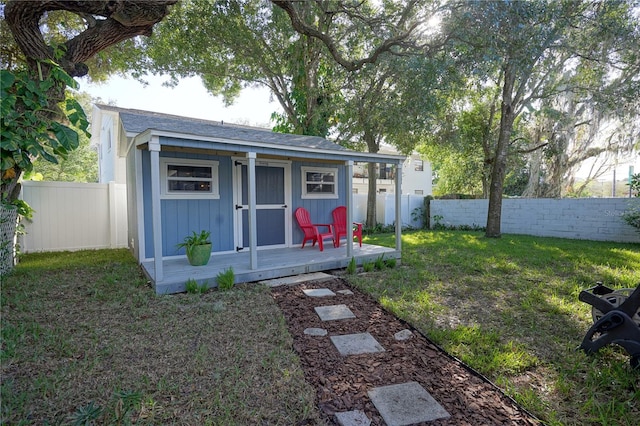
{"x": 406, "y": 404}
{"x": 318, "y": 292}
{"x": 334, "y": 312}
{"x": 356, "y": 344}
{"x": 352, "y": 418}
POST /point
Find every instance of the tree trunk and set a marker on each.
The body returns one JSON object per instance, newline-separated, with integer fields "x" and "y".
{"x": 373, "y": 147}
{"x": 487, "y": 137}
{"x": 8, "y": 223}
{"x": 124, "y": 19}
{"x": 371, "y": 196}
{"x": 500, "y": 158}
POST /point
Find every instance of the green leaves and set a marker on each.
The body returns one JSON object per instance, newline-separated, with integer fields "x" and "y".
{"x": 8, "y": 102}
{"x": 30, "y": 128}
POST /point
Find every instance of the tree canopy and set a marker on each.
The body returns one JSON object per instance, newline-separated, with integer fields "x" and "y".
{"x": 360, "y": 101}
{"x": 533, "y": 51}
{"x": 508, "y": 90}
{"x": 36, "y": 113}
{"x": 31, "y": 110}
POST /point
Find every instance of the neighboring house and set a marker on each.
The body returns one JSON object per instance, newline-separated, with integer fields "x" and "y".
{"x": 243, "y": 184}
{"x": 105, "y": 128}
{"x": 416, "y": 175}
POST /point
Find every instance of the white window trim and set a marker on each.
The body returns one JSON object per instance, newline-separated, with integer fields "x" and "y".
{"x": 215, "y": 187}
{"x": 314, "y": 195}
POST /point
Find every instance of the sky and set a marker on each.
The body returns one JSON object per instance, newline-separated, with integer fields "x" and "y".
{"x": 189, "y": 99}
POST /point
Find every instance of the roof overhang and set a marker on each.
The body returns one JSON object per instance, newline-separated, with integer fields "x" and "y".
{"x": 210, "y": 143}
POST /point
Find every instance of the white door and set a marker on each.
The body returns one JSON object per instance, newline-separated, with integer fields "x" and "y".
{"x": 273, "y": 201}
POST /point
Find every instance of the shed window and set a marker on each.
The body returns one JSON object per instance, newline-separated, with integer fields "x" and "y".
{"x": 319, "y": 182}
{"x": 189, "y": 178}
{"x": 418, "y": 165}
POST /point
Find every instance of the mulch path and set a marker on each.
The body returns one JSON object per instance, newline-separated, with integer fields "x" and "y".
{"x": 342, "y": 382}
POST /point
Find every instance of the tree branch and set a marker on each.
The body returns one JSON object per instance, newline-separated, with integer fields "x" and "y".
{"x": 122, "y": 20}
{"x": 350, "y": 65}
{"x": 527, "y": 151}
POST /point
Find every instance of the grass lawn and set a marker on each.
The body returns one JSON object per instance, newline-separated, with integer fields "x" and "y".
{"x": 509, "y": 308}
{"x": 84, "y": 337}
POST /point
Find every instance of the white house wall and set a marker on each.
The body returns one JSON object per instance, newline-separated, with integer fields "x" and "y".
{"x": 111, "y": 166}
{"x": 413, "y": 182}
{"x": 133, "y": 203}
{"x": 416, "y": 182}
{"x": 106, "y": 149}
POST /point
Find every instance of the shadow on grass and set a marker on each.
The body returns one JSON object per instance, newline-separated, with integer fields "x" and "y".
{"x": 509, "y": 308}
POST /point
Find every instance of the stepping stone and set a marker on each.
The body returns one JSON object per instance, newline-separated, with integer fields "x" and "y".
{"x": 313, "y": 331}
{"x": 334, "y": 312}
{"x": 406, "y": 404}
{"x": 318, "y": 292}
{"x": 352, "y": 418}
{"x": 356, "y": 344}
{"x": 345, "y": 292}
{"x": 405, "y": 334}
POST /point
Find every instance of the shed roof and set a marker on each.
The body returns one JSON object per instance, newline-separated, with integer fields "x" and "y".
{"x": 138, "y": 121}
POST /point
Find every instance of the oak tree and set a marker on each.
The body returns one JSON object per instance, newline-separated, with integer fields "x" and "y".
{"x": 33, "y": 97}
{"x": 532, "y": 47}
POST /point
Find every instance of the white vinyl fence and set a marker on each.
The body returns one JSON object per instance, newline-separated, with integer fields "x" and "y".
{"x": 74, "y": 216}
{"x": 386, "y": 209}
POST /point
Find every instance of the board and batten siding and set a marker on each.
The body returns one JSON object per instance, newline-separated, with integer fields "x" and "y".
{"x": 319, "y": 209}
{"x": 181, "y": 217}
{"x": 74, "y": 216}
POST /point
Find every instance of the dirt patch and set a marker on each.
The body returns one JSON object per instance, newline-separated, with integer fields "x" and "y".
{"x": 342, "y": 382}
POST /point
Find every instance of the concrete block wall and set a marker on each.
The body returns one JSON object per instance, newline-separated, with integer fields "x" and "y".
{"x": 598, "y": 219}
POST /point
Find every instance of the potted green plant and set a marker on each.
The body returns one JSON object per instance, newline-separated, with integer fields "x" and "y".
{"x": 198, "y": 248}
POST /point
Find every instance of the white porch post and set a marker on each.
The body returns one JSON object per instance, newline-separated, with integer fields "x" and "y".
{"x": 398, "y": 206}
{"x": 139, "y": 212}
{"x": 349, "y": 198}
{"x": 154, "y": 151}
{"x": 253, "y": 232}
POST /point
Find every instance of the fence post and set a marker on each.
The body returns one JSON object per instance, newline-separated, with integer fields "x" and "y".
{"x": 113, "y": 216}
{"x": 426, "y": 217}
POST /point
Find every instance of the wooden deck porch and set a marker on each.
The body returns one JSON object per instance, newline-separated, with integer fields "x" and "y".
{"x": 272, "y": 263}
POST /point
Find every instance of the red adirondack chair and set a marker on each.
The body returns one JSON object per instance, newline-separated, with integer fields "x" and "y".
{"x": 311, "y": 230}
{"x": 340, "y": 226}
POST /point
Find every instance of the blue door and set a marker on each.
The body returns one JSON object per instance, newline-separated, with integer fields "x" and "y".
{"x": 272, "y": 204}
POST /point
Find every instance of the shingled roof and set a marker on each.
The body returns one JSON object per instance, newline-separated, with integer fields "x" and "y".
{"x": 137, "y": 121}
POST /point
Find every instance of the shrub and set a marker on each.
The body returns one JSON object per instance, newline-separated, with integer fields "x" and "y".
{"x": 194, "y": 288}
{"x": 632, "y": 217}
{"x": 367, "y": 266}
{"x": 351, "y": 267}
{"x": 437, "y": 219}
{"x": 226, "y": 279}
